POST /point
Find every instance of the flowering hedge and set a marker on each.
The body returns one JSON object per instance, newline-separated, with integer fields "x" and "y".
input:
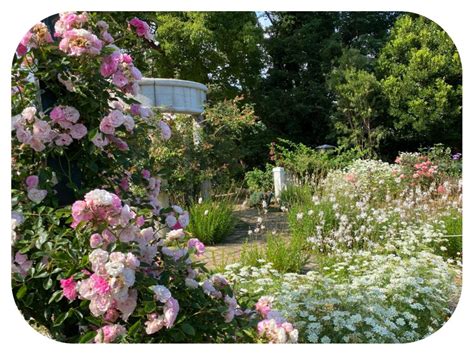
{"x": 95, "y": 257}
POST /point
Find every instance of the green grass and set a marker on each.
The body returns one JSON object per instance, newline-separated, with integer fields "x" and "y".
{"x": 453, "y": 225}
{"x": 293, "y": 195}
{"x": 211, "y": 221}
{"x": 286, "y": 255}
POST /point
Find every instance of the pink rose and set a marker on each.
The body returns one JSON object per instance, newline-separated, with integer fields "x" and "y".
{"x": 197, "y": 245}
{"x": 36, "y": 144}
{"x": 142, "y": 28}
{"x": 101, "y": 286}
{"x": 32, "y": 181}
{"x": 171, "y": 310}
{"x": 119, "y": 79}
{"x": 69, "y": 288}
{"x": 106, "y": 126}
{"x": 110, "y": 64}
{"x": 99, "y": 140}
{"x": 63, "y": 139}
{"x": 95, "y": 240}
{"x": 78, "y": 131}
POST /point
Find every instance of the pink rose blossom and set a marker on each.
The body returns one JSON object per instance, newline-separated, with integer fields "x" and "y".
{"x": 124, "y": 184}
{"x": 108, "y": 333}
{"x": 165, "y": 130}
{"x": 99, "y": 140}
{"x": 69, "y": 288}
{"x": 142, "y": 28}
{"x": 77, "y": 42}
{"x": 36, "y": 195}
{"x": 140, "y": 221}
{"x": 78, "y": 131}
{"x": 106, "y": 126}
{"x": 119, "y": 79}
{"x": 111, "y": 315}
{"x": 63, "y": 139}
{"x": 110, "y": 64}
{"x": 171, "y": 310}
{"x": 263, "y": 306}
{"x": 197, "y": 245}
{"x": 29, "y": 113}
{"x": 95, "y": 240}
{"x": 36, "y": 144}
{"x": 119, "y": 143}
{"x": 32, "y": 181}
{"x": 101, "y": 286}
{"x": 146, "y": 174}
{"x": 154, "y": 323}
{"x": 116, "y": 118}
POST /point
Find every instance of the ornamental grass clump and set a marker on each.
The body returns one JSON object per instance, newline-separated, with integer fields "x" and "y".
{"x": 211, "y": 221}
{"x": 286, "y": 255}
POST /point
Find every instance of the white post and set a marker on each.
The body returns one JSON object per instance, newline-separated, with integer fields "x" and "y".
{"x": 279, "y": 180}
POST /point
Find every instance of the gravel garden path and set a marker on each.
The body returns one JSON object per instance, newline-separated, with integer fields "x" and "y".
{"x": 228, "y": 251}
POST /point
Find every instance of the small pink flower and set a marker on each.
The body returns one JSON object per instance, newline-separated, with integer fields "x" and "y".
{"x": 63, "y": 139}
{"x": 263, "y": 306}
{"x": 99, "y": 140}
{"x": 124, "y": 184}
{"x": 116, "y": 118}
{"x": 140, "y": 221}
{"x": 108, "y": 333}
{"x": 441, "y": 189}
{"x": 101, "y": 286}
{"x": 171, "y": 310}
{"x": 106, "y": 126}
{"x": 197, "y": 245}
{"x": 78, "y": 131}
{"x": 95, "y": 240}
{"x": 77, "y": 42}
{"x": 119, "y": 79}
{"x": 36, "y": 144}
{"x": 32, "y": 181}
{"x": 69, "y": 288}
{"x": 146, "y": 174}
{"x": 142, "y": 28}
{"x": 165, "y": 130}
{"x": 110, "y": 64}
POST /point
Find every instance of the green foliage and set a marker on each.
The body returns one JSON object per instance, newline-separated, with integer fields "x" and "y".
{"x": 285, "y": 255}
{"x": 302, "y": 49}
{"x": 258, "y": 180}
{"x": 420, "y": 72}
{"x": 308, "y": 165}
{"x": 294, "y": 195}
{"x": 215, "y": 156}
{"x": 359, "y": 109}
{"x": 211, "y": 221}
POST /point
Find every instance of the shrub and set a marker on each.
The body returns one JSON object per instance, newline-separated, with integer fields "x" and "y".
{"x": 259, "y": 180}
{"x": 307, "y": 165}
{"x": 211, "y": 221}
{"x": 102, "y": 270}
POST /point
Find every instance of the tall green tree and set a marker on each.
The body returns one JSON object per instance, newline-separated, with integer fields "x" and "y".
{"x": 293, "y": 100}
{"x": 303, "y": 49}
{"x": 420, "y": 73}
{"x": 359, "y": 109}
{"x": 222, "y": 50}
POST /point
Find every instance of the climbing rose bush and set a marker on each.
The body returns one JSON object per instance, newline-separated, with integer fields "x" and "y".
{"x": 95, "y": 256}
